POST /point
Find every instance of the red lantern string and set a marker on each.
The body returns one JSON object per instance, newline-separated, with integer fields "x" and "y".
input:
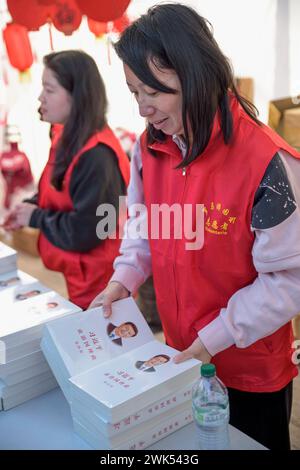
{"x": 5, "y": 76}
{"x": 50, "y": 36}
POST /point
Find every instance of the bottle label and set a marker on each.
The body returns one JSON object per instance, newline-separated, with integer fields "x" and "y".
{"x": 212, "y": 417}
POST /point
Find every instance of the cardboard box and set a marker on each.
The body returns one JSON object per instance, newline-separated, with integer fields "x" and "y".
{"x": 284, "y": 118}
{"x": 245, "y": 87}
{"x": 25, "y": 239}
{"x": 296, "y": 327}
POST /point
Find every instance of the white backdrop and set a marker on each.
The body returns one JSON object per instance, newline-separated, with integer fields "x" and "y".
{"x": 246, "y": 32}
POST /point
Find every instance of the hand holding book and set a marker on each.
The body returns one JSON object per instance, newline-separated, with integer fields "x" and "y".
{"x": 113, "y": 291}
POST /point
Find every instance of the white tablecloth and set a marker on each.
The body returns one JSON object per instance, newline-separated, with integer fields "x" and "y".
{"x": 45, "y": 423}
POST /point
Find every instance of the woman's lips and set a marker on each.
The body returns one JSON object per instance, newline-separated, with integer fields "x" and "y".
{"x": 159, "y": 124}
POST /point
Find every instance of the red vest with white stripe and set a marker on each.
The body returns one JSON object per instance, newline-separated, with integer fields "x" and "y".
{"x": 87, "y": 273}
{"x": 193, "y": 285}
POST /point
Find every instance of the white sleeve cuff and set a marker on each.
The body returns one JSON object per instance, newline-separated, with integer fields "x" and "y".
{"x": 129, "y": 277}
{"x": 215, "y": 336}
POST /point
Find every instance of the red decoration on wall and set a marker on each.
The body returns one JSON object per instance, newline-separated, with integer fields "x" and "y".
{"x": 16, "y": 172}
{"x": 29, "y": 13}
{"x": 18, "y": 46}
{"x": 66, "y": 16}
{"x": 103, "y": 10}
{"x": 97, "y": 28}
{"x": 121, "y": 23}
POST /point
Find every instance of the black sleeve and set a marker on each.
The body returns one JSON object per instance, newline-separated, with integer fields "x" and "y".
{"x": 96, "y": 180}
{"x": 274, "y": 200}
{"x": 33, "y": 199}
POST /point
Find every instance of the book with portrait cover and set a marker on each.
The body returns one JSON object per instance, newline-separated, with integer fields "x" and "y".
{"x": 85, "y": 346}
{"x": 82, "y": 341}
{"x": 15, "y": 278}
{"x": 22, "y": 322}
{"x": 21, "y": 292}
{"x": 132, "y": 381}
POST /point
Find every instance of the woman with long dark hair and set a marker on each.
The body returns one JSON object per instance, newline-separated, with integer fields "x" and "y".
{"x": 229, "y": 300}
{"x": 86, "y": 168}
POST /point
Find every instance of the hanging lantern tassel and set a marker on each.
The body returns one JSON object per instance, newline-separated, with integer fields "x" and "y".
{"x": 5, "y": 76}
{"x": 108, "y": 42}
{"x": 3, "y": 116}
{"x": 50, "y": 35}
{"x": 25, "y": 76}
{"x": 18, "y": 49}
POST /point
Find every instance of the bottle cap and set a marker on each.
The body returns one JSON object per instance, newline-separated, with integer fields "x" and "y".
{"x": 208, "y": 370}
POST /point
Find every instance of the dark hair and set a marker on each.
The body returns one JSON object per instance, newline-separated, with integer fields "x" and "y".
{"x": 161, "y": 355}
{"x": 77, "y": 72}
{"x": 174, "y": 36}
{"x": 133, "y": 326}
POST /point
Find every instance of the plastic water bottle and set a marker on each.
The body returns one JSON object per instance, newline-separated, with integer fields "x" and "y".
{"x": 211, "y": 410}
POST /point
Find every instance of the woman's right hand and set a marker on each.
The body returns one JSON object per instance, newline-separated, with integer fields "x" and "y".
{"x": 10, "y": 223}
{"x": 113, "y": 291}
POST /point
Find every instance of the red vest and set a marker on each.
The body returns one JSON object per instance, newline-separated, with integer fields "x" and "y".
{"x": 192, "y": 286}
{"x": 86, "y": 274}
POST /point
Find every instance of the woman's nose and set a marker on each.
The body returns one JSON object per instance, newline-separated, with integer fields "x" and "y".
{"x": 146, "y": 110}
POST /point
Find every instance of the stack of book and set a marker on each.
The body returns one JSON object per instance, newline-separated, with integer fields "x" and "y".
{"x": 26, "y": 305}
{"x": 8, "y": 258}
{"x": 123, "y": 387}
{"x": 23, "y": 290}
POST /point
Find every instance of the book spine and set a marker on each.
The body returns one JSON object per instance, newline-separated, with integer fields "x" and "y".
{"x": 149, "y": 412}
{"x": 15, "y": 400}
{"x": 18, "y": 352}
{"x": 159, "y": 432}
{"x": 145, "y": 438}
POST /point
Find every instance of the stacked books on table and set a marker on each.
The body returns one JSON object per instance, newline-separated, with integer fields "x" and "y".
{"x": 124, "y": 390}
{"x": 26, "y": 305}
{"x": 8, "y": 258}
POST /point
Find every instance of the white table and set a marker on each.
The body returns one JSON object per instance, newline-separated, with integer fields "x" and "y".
{"x": 45, "y": 423}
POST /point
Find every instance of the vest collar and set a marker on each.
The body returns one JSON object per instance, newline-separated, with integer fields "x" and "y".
{"x": 176, "y": 145}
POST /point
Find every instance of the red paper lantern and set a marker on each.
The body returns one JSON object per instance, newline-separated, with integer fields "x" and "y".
{"x": 28, "y": 13}
{"x": 97, "y": 28}
{"x": 18, "y": 46}
{"x": 103, "y": 10}
{"x": 66, "y": 16}
{"x": 46, "y": 2}
{"x": 121, "y": 23}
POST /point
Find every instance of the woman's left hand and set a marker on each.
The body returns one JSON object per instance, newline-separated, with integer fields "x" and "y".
{"x": 197, "y": 350}
{"x": 23, "y": 213}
